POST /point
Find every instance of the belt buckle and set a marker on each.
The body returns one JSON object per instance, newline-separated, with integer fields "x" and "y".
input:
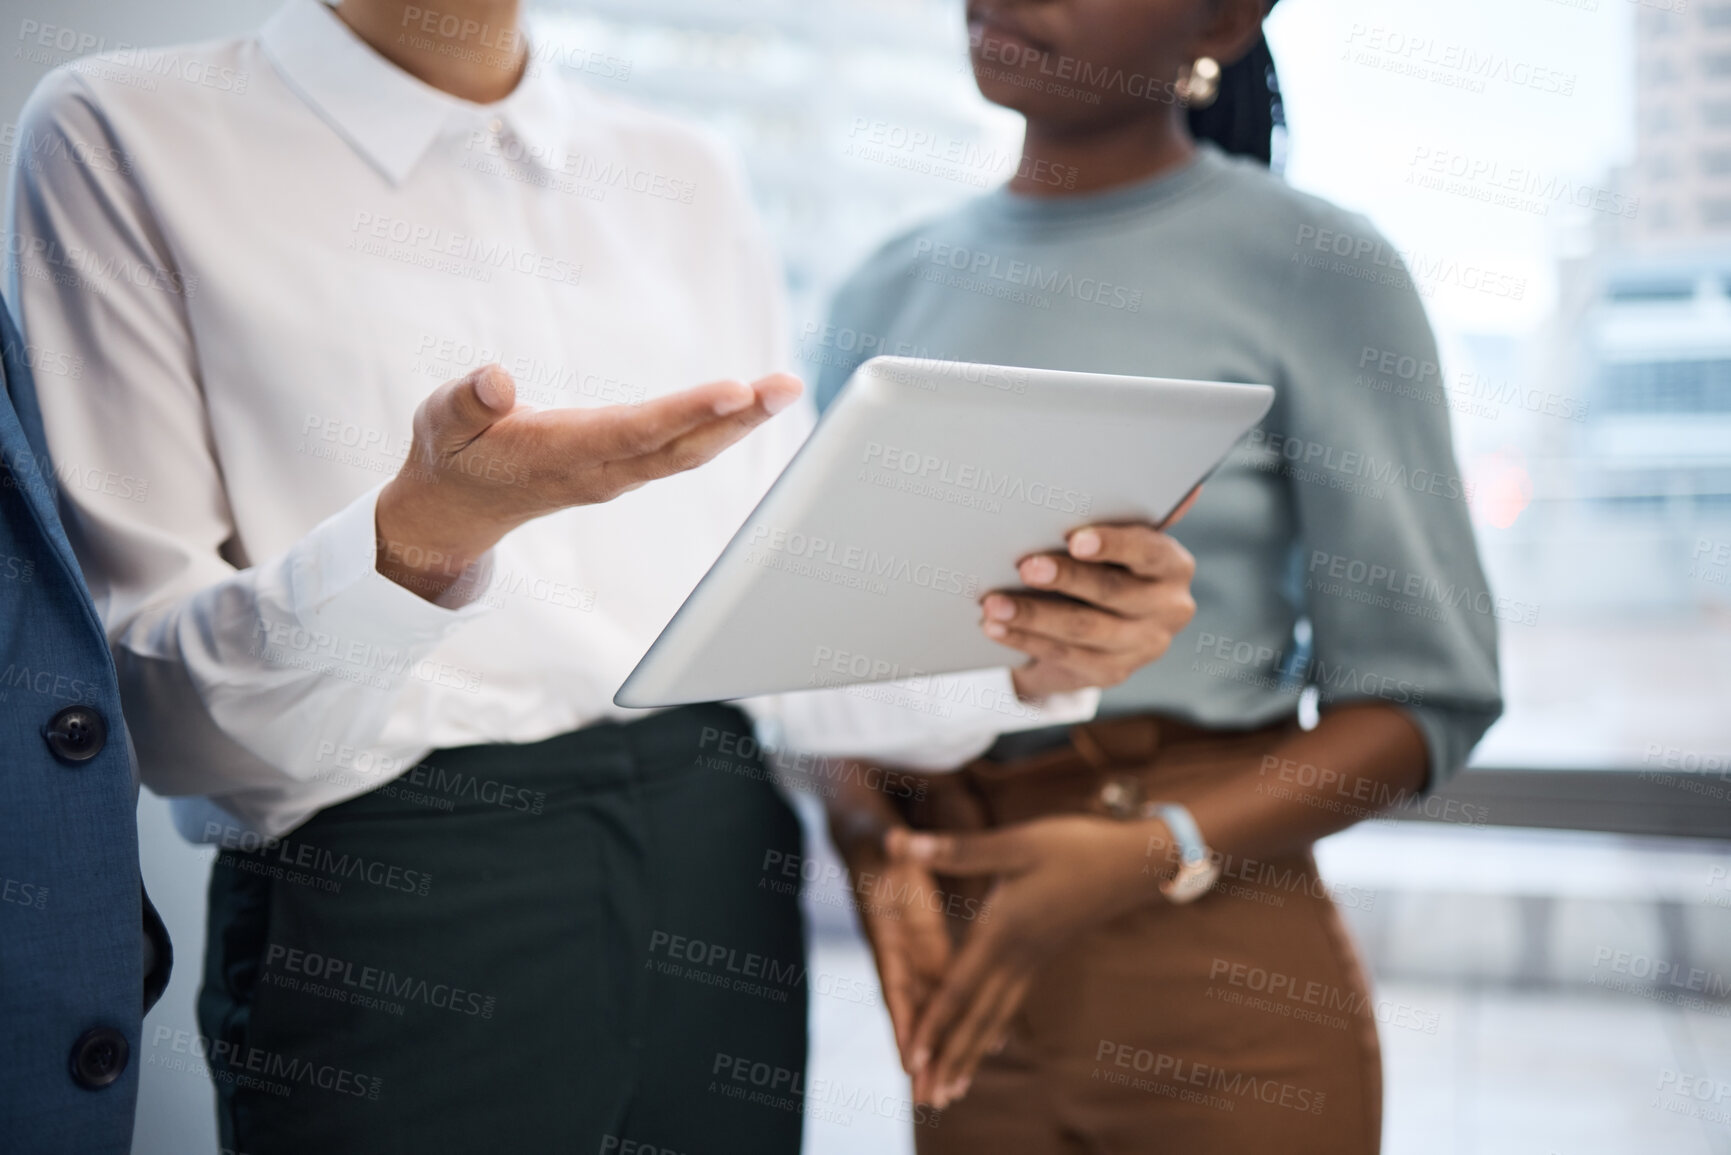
{"x": 1121, "y": 796}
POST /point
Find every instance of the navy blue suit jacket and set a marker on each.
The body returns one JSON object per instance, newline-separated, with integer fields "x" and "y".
{"x": 72, "y": 944}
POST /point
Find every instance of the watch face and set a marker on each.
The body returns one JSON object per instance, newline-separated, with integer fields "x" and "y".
{"x": 1192, "y": 881}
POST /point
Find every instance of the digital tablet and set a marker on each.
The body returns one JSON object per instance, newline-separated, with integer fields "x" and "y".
{"x": 917, "y": 493}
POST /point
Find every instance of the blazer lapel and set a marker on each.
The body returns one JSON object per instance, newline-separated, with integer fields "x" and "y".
{"x": 25, "y": 450}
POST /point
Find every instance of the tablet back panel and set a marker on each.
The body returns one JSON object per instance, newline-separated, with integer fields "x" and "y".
{"x": 916, "y": 495}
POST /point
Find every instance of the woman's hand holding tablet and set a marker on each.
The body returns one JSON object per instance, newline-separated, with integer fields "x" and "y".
{"x": 1102, "y": 610}
{"x": 913, "y": 535}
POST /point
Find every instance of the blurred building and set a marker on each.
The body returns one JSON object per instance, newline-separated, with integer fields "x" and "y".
{"x": 1634, "y": 492}
{"x": 1682, "y": 169}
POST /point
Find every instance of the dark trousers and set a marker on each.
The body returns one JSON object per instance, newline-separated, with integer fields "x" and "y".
{"x": 569, "y": 946}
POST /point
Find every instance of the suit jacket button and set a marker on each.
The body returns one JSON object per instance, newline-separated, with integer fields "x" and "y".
{"x": 99, "y": 1057}
{"x": 76, "y": 734}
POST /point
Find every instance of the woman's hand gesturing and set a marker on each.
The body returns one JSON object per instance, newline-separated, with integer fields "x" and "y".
{"x": 480, "y": 465}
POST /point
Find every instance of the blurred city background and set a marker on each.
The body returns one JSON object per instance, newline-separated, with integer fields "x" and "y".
{"x": 1545, "y": 991}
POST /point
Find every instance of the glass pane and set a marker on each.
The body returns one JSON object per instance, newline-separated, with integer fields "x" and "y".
{"x": 1554, "y": 178}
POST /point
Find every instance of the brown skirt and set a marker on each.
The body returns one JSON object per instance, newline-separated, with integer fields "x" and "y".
{"x": 1241, "y": 1022}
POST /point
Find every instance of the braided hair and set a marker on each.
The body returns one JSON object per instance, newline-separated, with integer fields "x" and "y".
{"x": 1247, "y": 114}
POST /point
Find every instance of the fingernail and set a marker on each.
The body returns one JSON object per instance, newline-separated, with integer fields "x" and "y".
{"x": 1037, "y": 571}
{"x": 1000, "y": 607}
{"x": 959, "y": 1088}
{"x": 996, "y": 630}
{"x": 1084, "y": 543}
{"x": 920, "y": 848}
{"x": 774, "y": 402}
{"x": 488, "y": 388}
{"x": 921, "y": 1055}
{"x": 737, "y": 398}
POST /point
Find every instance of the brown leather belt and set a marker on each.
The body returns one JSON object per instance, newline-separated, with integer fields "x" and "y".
{"x": 1135, "y": 734}
{"x": 1102, "y": 767}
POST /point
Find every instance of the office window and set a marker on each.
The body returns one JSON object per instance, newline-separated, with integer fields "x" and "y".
{"x": 1700, "y": 387}
{"x": 1627, "y": 293}
{"x": 809, "y": 93}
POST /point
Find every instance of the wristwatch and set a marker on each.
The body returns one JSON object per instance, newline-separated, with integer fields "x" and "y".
{"x": 1198, "y": 869}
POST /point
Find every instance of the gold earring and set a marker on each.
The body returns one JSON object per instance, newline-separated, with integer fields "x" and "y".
{"x": 1200, "y": 85}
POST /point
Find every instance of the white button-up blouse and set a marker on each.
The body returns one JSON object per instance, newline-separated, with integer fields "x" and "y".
{"x": 240, "y": 266}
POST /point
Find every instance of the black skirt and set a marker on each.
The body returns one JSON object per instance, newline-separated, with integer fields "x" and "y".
{"x": 581, "y": 945}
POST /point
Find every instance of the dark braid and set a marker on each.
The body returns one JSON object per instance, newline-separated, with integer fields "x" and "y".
{"x": 1243, "y": 117}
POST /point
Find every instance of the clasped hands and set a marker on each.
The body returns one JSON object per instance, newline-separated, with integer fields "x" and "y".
{"x": 1107, "y": 605}
{"x": 1054, "y": 877}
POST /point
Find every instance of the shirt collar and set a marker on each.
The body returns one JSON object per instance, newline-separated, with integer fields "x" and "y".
{"x": 389, "y": 117}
